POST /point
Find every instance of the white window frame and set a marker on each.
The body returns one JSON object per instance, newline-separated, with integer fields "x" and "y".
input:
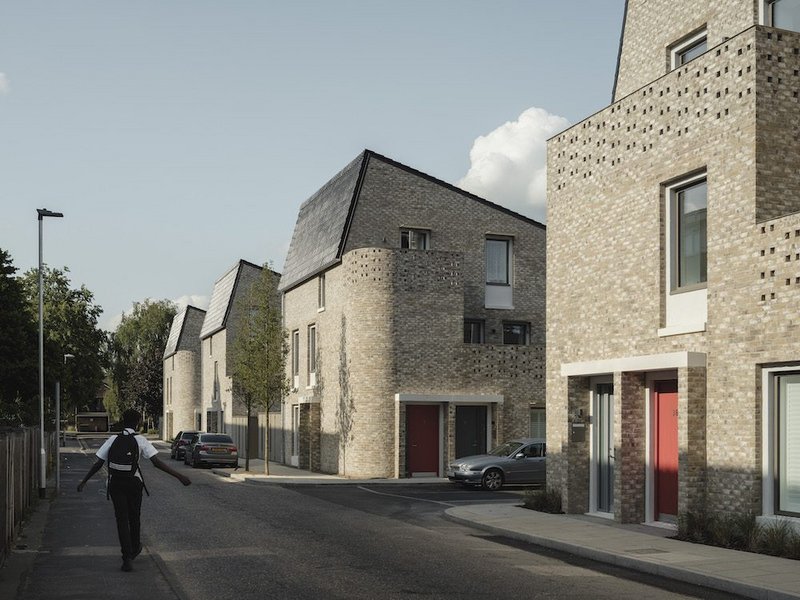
{"x": 321, "y": 292}
{"x": 312, "y": 354}
{"x": 687, "y": 307}
{"x": 765, "y": 16}
{"x": 677, "y": 49}
{"x": 413, "y": 234}
{"x": 296, "y": 358}
{"x": 769, "y": 449}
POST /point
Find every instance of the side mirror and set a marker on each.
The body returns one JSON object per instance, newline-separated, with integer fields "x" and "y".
{"x": 519, "y": 455}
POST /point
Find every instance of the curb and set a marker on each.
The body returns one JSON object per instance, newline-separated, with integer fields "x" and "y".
{"x": 629, "y": 562}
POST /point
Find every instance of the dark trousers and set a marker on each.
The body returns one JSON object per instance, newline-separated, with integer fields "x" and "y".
{"x": 126, "y": 494}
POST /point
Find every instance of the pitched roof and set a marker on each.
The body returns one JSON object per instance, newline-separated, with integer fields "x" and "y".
{"x": 321, "y": 223}
{"x": 221, "y": 298}
{"x": 180, "y": 322}
{"x": 324, "y": 219}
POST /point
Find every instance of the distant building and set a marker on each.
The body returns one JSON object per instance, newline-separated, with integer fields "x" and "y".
{"x": 673, "y": 292}
{"x": 416, "y": 319}
{"x": 182, "y": 400}
{"x": 222, "y": 411}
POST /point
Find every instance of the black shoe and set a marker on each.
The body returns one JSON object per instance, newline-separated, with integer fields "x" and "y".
{"x": 126, "y": 565}
{"x": 136, "y": 552}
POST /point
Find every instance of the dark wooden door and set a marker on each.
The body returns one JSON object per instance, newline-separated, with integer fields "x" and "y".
{"x": 470, "y": 430}
{"x": 422, "y": 439}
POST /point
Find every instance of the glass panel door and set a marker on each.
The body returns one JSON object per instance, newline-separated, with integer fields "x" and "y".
{"x": 789, "y": 443}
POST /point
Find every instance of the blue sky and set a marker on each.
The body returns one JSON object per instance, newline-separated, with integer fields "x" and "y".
{"x": 178, "y": 137}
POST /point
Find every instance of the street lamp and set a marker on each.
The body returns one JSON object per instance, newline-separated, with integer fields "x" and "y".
{"x": 42, "y": 212}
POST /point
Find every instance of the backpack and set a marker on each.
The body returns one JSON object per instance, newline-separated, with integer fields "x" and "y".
{"x": 123, "y": 459}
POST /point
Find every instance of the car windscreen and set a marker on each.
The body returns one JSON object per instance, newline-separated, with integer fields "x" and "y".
{"x": 187, "y": 436}
{"x": 219, "y": 439}
{"x": 506, "y": 449}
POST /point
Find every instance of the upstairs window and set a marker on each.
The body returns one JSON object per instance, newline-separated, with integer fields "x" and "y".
{"x": 415, "y": 239}
{"x": 690, "y": 260}
{"x": 498, "y": 261}
{"x": 473, "y": 331}
{"x": 312, "y": 355}
{"x": 689, "y": 49}
{"x": 515, "y": 334}
{"x": 321, "y": 292}
{"x": 784, "y": 14}
{"x": 295, "y": 354}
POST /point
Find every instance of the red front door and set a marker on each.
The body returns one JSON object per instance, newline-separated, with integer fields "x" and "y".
{"x": 666, "y": 448}
{"x": 422, "y": 439}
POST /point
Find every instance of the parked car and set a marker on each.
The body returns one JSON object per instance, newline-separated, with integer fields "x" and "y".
{"x": 211, "y": 449}
{"x": 176, "y": 449}
{"x": 517, "y": 461}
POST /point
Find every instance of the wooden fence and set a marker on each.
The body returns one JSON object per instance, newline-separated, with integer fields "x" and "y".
{"x": 19, "y": 479}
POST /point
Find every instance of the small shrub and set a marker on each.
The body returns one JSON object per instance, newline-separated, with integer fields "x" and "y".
{"x": 548, "y": 500}
{"x": 695, "y": 527}
{"x": 776, "y": 538}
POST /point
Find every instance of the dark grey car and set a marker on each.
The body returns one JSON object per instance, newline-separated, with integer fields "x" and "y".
{"x": 517, "y": 461}
{"x": 211, "y": 449}
{"x": 179, "y": 444}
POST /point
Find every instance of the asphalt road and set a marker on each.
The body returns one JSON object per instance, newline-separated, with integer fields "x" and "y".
{"x": 223, "y": 539}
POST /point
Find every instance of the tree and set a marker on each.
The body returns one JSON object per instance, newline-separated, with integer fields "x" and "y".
{"x": 257, "y": 354}
{"x": 18, "y": 349}
{"x": 70, "y": 327}
{"x": 137, "y": 352}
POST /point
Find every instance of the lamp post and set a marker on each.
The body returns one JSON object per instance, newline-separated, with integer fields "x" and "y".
{"x": 42, "y": 212}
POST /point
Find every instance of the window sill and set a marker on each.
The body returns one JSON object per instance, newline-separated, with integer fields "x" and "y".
{"x": 682, "y": 328}
{"x": 321, "y": 309}
{"x": 499, "y": 307}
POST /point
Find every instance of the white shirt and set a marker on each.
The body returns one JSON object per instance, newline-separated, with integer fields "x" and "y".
{"x": 146, "y": 449}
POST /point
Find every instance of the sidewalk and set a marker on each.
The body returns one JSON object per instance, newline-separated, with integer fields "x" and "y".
{"x": 743, "y": 573}
{"x": 69, "y": 547}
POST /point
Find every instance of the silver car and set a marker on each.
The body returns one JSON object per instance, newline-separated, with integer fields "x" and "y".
{"x": 518, "y": 461}
{"x": 211, "y": 449}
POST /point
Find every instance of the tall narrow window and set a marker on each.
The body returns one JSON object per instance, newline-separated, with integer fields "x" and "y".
{"x": 473, "y": 331}
{"x": 295, "y": 358}
{"x": 783, "y": 13}
{"x": 321, "y": 292}
{"x": 690, "y": 234}
{"x": 498, "y": 259}
{"x": 788, "y": 446}
{"x": 538, "y": 423}
{"x": 312, "y": 355}
{"x": 211, "y": 345}
{"x": 414, "y": 239}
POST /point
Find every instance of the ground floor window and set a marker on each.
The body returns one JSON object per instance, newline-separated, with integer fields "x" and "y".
{"x": 787, "y": 447}
{"x": 538, "y": 428}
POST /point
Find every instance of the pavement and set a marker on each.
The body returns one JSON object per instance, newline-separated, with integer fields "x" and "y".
{"x": 68, "y": 551}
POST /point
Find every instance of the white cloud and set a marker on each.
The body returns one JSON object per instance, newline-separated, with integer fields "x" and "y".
{"x": 111, "y": 323}
{"x": 3, "y": 84}
{"x": 509, "y": 164}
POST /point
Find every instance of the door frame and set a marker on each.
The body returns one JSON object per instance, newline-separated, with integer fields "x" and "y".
{"x": 650, "y": 493}
{"x": 593, "y": 458}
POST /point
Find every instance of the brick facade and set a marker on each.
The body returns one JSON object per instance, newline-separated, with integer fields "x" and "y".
{"x": 731, "y": 113}
{"x": 391, "y": 331}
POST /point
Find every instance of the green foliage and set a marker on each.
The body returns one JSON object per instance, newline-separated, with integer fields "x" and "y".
{"x": 547, "y": 500}
{"x": 137, "y": 351}
{"x": 258, "y": 347}
{"x": 740, "y": 532}
{"x": 18, "y": 349}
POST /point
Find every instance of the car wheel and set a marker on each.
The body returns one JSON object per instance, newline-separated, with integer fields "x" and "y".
{"x": 194, "y": 462}
{"x": 172, "y": 455}
{"x": 492, "y": 480}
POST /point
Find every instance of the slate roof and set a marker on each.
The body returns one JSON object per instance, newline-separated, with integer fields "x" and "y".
{"x": 177, "y": 341}
{"x": 221, "y": 298}
{"x": 320, "y": 225}
{"x": 324, "y": 219}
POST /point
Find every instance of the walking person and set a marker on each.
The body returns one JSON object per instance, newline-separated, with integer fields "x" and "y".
{"x": 125, "y": 485}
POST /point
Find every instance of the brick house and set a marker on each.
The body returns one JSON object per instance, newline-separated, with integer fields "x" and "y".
{"x": 416, "y": 320}
{"x": 222, "y": 411}
{"x": 181, "y": 383}
{"x": 673, "y": 361}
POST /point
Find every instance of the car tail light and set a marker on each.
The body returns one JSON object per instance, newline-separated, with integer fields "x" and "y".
{"x": 181, "y": 443}
{"x": 233, "y": 450}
